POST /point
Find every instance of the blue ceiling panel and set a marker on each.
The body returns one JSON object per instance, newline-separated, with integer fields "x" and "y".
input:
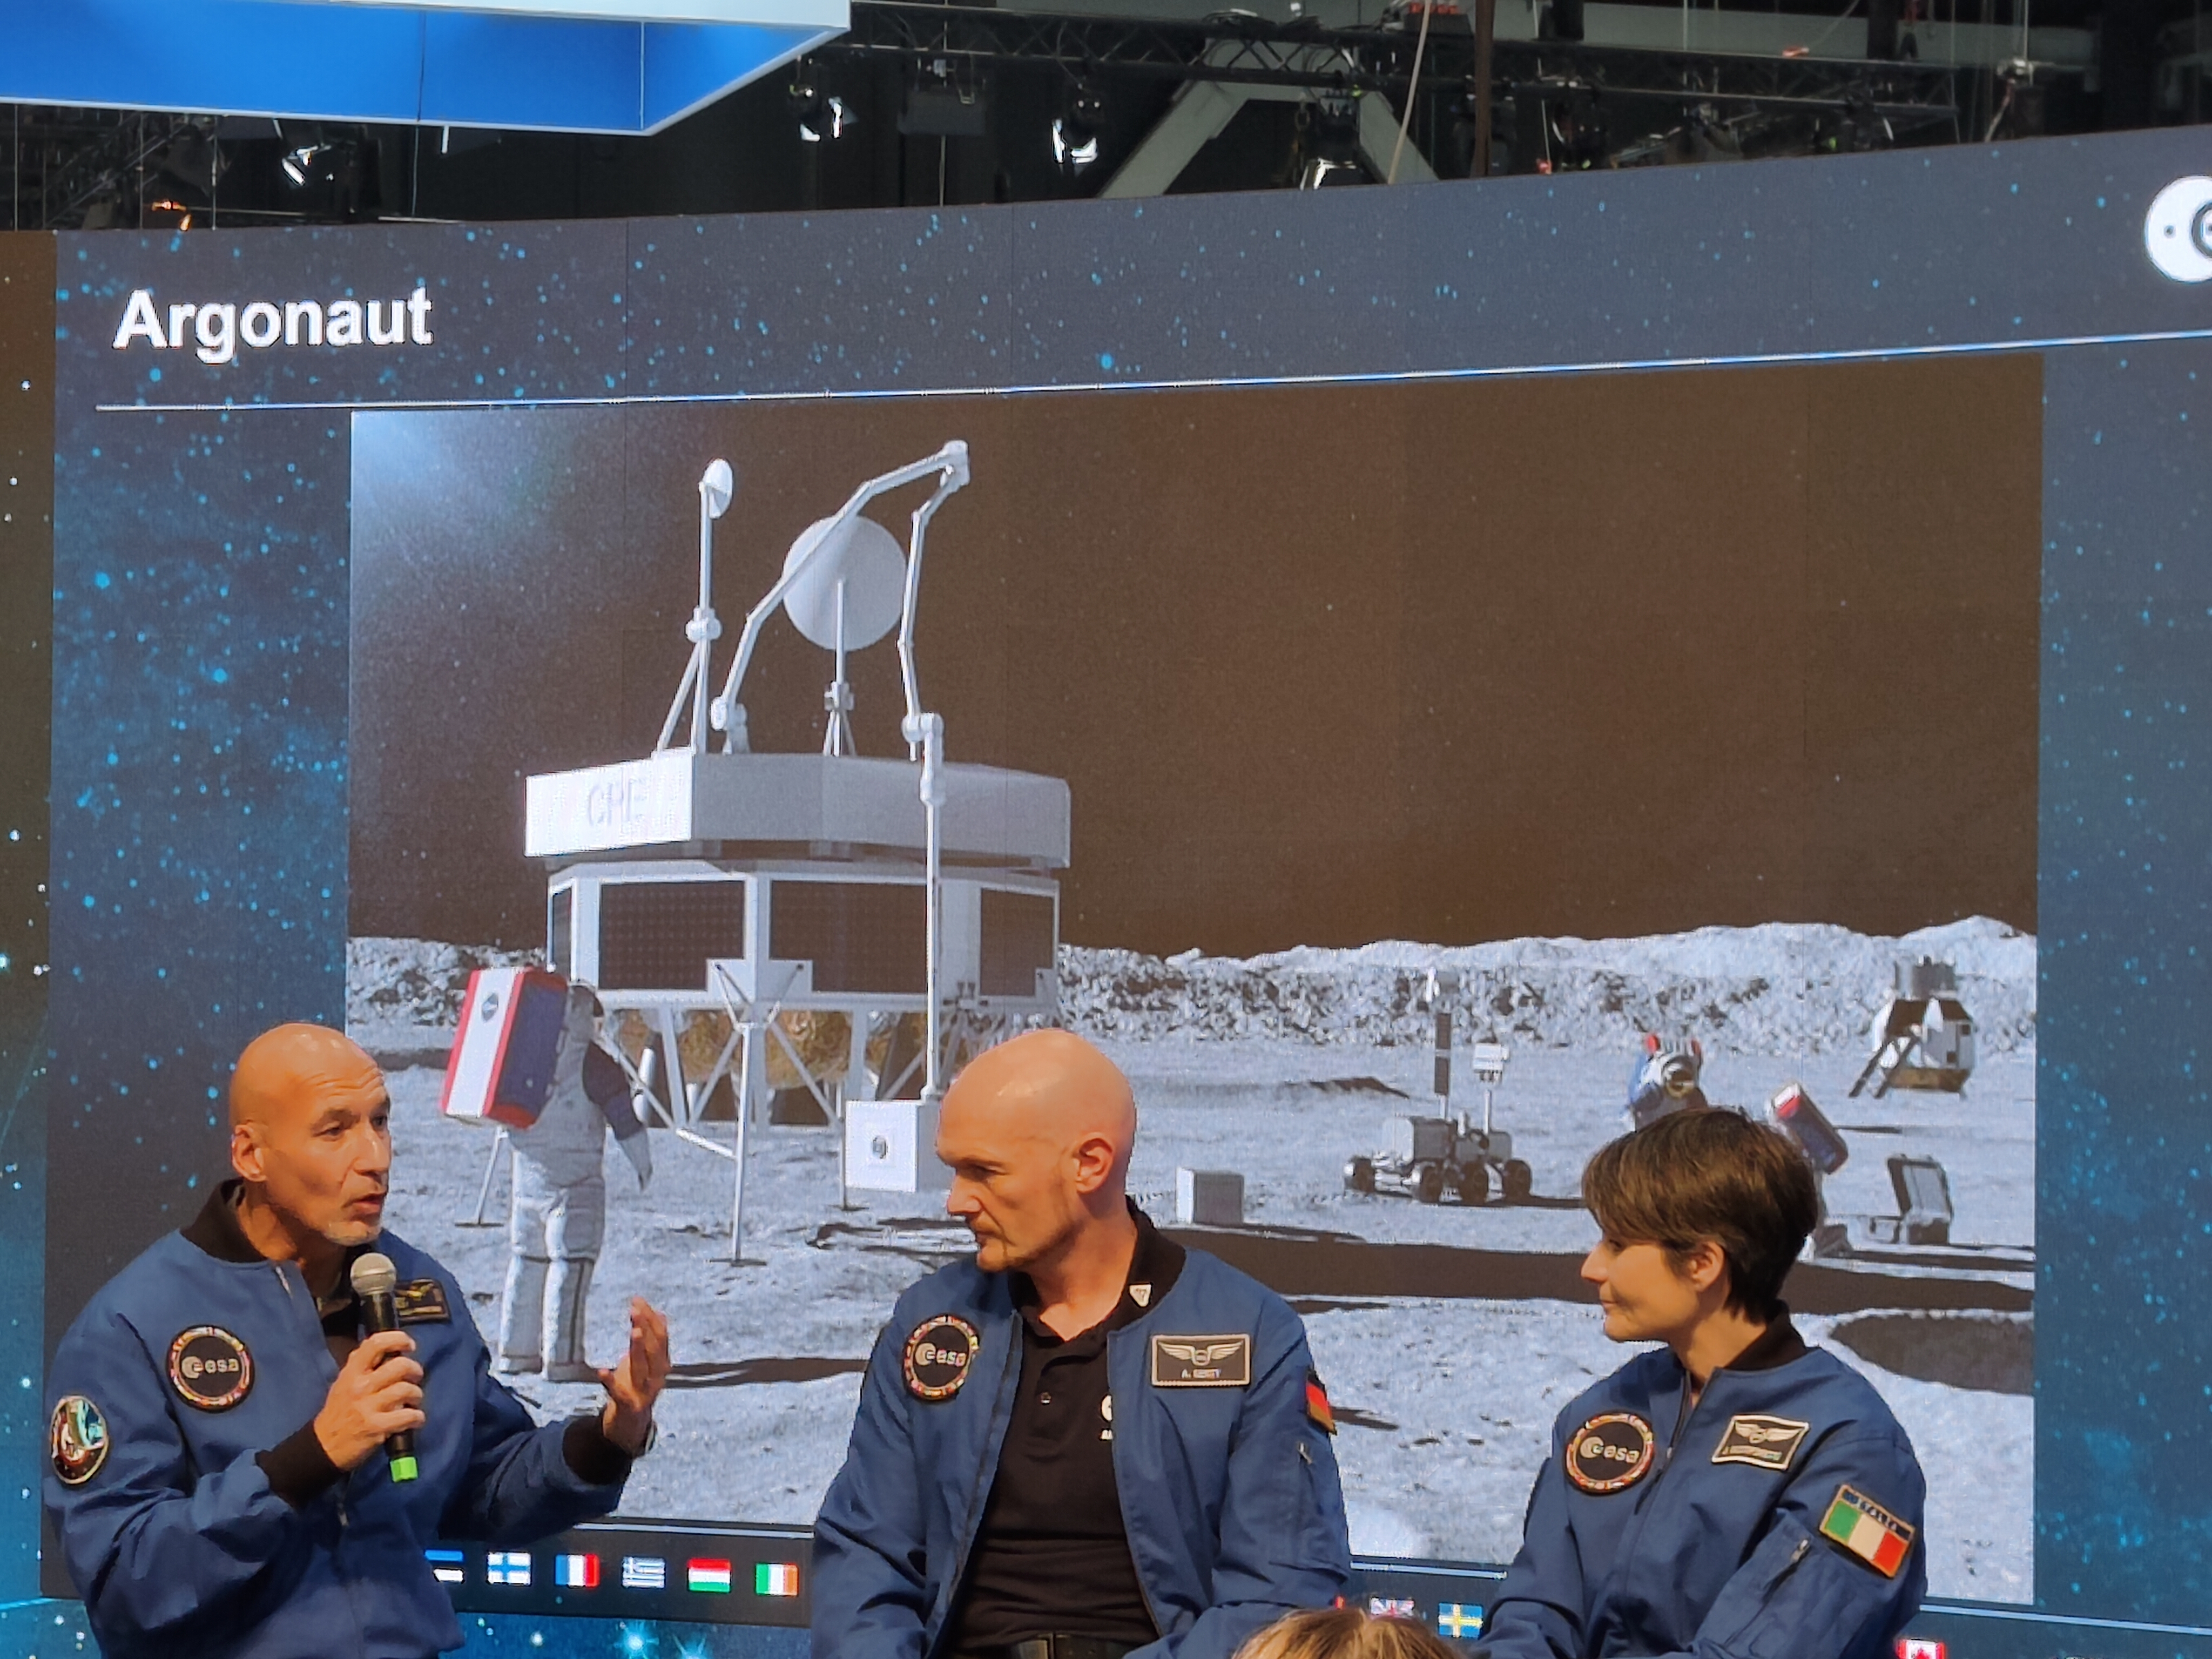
{"x": 391, "y": 63}
{"x": 688, "y": 64}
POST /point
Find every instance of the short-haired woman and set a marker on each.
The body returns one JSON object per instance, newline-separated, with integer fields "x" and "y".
{"x": 1732, "y": 1493}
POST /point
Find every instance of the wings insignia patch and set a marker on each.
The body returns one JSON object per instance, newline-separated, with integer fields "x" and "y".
{"x": 1202, "y": 1362}
{"x": 1764, "y": 1442}
{"x": 422, "y": 1301}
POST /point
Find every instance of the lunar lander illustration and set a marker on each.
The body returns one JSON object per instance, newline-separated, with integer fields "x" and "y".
{"x": 1923, "y": 1038}
{"x": 847, "y": 926}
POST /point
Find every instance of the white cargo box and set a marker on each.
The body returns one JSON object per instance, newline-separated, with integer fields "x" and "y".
{"x": 890, "y": 1147}
{"x": 1209, "y": 1197}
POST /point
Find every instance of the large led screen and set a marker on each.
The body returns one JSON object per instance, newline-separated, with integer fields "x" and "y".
{"x": 1739, "y": 621}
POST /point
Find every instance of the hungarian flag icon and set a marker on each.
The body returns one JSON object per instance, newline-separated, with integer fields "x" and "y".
{"x": 1867, "y": 1530}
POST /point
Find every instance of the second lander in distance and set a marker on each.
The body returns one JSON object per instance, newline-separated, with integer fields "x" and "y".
{"x": 799, "y": 921}
{"x": 1923, "y": 1038}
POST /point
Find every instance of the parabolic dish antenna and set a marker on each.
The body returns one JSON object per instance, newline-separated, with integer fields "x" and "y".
{"x": 717, "y": 487}
{"x": 872, "y": 565}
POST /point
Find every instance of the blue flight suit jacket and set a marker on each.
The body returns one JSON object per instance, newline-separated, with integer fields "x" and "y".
{"x": 193, "y": 1522}
{"x": 1229, "y": 1491}
{"x": 1724, "y": 1541}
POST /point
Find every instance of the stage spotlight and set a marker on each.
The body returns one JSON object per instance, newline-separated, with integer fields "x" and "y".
{"x": 1331, "y": 142}
{"x": 819, "y": 117}
{"x": 300, "y": 165}
{"x": 1075, "y": 135}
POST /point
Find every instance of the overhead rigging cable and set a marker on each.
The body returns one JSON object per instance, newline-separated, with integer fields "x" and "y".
{"x": 1413, "y": 90}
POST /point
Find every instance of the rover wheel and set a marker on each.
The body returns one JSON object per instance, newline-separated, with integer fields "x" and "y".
{"x": 1473, "y": 1183}
{"x": 1429, "y": 1185}
{"x": 1359, "y": 1176}
{"x": 1516, "y": 1181}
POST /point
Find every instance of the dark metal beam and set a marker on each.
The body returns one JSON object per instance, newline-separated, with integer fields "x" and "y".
{"x": 960, "y": 39}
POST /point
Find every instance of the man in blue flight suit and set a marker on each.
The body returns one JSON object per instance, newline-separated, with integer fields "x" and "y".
{"x": 1733, "y": 1494}
{"x": 216, "y": 1473}
{"x": 1088, "y": 1442}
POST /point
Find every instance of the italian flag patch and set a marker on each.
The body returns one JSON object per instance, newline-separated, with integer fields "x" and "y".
{"x": 1860, "y": 1525}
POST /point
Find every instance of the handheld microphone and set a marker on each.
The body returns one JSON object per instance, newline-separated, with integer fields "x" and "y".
{"x": 376, "y": 1281}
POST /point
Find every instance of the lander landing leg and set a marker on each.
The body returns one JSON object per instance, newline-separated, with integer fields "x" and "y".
{"x": 484, "y": 1193}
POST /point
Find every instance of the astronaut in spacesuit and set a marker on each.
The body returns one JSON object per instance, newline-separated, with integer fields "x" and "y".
{"x": 558, "y": 1219}
{"x": 1665, "y": 1079}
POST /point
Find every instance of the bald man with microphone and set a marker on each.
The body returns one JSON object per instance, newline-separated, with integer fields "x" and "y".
{"x": 258, "y": 1425}
{"x": 1088, "y": 1442}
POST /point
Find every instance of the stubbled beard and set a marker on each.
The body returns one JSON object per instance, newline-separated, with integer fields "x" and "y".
{"x": 1017, "y": 1261}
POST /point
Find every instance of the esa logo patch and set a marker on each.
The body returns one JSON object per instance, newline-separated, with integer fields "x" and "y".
{"x": 1766, "y": 1442}
{"x": 210, "y": 1368}
{"x": 1611, "y": 1452}
{"x": 1202, "y": 1362}
{"x": 939, "y": 1357}
{"x": 77, "y": 1440}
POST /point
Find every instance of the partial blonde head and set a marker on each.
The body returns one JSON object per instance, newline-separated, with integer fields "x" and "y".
{"x": 1345, "y": 1633}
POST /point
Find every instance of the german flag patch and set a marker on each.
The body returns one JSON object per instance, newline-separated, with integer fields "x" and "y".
{"x": 1861, "y": 1527}
{"x": 1317, "y": 1405}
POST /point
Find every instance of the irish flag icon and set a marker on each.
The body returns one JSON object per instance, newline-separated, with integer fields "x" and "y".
{"x": 710, "y": 1577}
{"x": 775, "y": 1578}
{"x": 1868, "y": 1531}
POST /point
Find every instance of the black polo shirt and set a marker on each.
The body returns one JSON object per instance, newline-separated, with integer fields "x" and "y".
{"x": 1052, "y": 1557}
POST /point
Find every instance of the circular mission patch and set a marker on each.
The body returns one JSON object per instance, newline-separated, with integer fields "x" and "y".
{"x": 77, "y": 1440}
{"x": 210, "y": 1368}
{"x": 1611, "y": 1452}
{"x": 939, "y": 1356}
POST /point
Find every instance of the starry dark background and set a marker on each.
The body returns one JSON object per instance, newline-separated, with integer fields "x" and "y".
{"x": 200, "y": 885}
{"x": 27, "y": 442}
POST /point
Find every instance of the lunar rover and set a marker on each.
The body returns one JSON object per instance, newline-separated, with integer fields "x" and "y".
{"x": 1429, "y": 1157}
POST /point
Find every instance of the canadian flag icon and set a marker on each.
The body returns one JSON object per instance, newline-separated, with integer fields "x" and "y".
{"x": 1918, "y": 1647}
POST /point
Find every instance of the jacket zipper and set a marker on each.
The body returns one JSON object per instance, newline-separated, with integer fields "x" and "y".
{"x": 291, "y": 1294}
{"x": 1641, "y": 1517}
{"x": 1774, "y": 1585}
{"x": 1151, "y": 1607}
{"x": 980, "y": 1497}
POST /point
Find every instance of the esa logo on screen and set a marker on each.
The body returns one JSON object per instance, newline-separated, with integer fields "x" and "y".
{"x": 2178, "y": 229}
{"x": 215, "y": 331}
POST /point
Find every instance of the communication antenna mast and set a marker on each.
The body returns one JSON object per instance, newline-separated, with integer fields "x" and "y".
{"x": 716, "y": 486}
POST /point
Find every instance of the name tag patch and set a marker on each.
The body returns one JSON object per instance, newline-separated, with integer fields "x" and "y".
{"x": 77, "y": 1440}
{"x": 422, "y": 1302}
{"x": 1611, "y": 1452}
{"x": 1202, "y": 1362}
{"x": 1764, "y": 1442}
{"x": 210, "y": 1368}
{"x": 939, "y": 1354}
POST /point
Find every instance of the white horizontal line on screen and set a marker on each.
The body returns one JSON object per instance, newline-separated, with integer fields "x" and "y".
{"x": 1501, "y": 372}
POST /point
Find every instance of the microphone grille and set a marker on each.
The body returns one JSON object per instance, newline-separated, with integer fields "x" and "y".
{"x": 373, "y": 1274}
